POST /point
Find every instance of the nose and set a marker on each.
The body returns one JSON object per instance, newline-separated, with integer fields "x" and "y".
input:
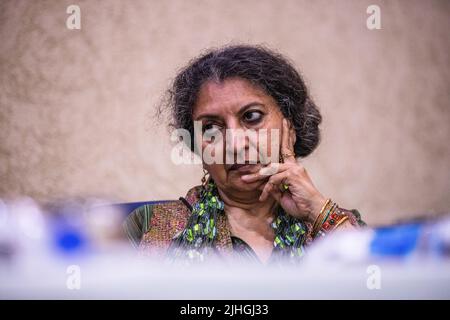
{"x": 240, "y": 145}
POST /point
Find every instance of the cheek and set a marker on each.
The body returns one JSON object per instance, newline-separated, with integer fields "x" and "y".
{"x": 213, "y": 151}
{"x": 217, "y": 172}
{"x": 270, "y": 144}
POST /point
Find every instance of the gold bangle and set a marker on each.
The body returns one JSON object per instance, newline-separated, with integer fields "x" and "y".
{"x": 340, "y": 222}
{"x": 318, "y": 222}
{"x": 318, "y": 218}
{"x": 326, "y": 203}
{"x": 329, "y": 212}
{"x": 325, "y": 217}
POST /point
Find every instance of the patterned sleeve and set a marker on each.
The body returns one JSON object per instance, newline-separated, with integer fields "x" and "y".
{"x": 354, "y": 217}
{"x": 137, "y": 224}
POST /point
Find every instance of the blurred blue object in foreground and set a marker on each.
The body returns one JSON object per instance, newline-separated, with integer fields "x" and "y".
{"x": 395, "y": 240}
{"x": 68, "y": 238}
{"x": 430, "y": 238}
{"x": 418, "y": 242}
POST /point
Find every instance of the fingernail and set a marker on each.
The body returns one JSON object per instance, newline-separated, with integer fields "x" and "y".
{"x": 269, "y": 170}
{"x": 246, "y": 176}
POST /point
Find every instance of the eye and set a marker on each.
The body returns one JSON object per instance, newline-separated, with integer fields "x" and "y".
{"x": 210, "y": 128}
{"x": 253, "y": 116}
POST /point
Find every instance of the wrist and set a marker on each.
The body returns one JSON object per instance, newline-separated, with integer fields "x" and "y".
{"x": 317, "y": 205}
{"x": 329, "y": 218}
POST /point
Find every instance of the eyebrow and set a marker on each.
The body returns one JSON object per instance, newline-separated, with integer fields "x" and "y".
{"x": 241, "y": 110}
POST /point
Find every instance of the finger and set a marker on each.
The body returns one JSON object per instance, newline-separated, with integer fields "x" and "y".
{"x": 270, "y": 190}
{"x": 266, "y": 191}
{"x": 249, "y": 178}
{"x": 276, "y": 194}
{"x": 261, "y": 187}
{"x": 273, "y": 184}
{"x": 279, "y": 178}
{"x": 284, "y": 137}
{"x": 266, "y": 172}
{"x": 287, "y": 148}
{"x": 292, "y": 137}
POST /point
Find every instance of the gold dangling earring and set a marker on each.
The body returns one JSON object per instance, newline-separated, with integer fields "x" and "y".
{"x": 204, "y": 180}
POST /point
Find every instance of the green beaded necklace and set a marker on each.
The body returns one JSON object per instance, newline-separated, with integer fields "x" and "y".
{"x": 196, "y": 241}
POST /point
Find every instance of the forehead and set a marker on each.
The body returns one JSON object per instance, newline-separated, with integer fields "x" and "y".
{"x": 229, "y": 96}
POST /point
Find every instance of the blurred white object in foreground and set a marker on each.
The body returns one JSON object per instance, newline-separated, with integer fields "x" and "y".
{"x": 76, "y": 254}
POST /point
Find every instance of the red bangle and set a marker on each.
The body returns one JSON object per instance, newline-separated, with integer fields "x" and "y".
{"x": 333, "y": 220}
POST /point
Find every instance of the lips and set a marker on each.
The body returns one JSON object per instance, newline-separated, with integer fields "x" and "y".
{"x": 245, "y": 167}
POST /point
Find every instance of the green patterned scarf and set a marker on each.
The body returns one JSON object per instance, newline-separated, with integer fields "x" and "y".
{"x": 195, "y": 242}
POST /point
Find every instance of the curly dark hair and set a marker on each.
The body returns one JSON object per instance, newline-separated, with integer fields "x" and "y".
{"x": 262, "y": 67}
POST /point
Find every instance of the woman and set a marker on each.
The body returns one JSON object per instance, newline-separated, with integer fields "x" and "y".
{"x": 245, "y": 211}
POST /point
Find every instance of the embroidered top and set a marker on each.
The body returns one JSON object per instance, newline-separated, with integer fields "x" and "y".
{"x": 151, "y": 228}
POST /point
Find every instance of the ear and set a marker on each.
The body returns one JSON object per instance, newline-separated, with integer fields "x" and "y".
{"x": 292, "y": 132}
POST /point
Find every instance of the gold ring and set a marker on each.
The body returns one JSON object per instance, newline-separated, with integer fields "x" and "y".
{"x": 284, "y": 186}
{"x": 288, "y": 154}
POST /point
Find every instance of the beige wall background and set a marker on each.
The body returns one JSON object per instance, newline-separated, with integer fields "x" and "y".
{"x": 76, "y": 105}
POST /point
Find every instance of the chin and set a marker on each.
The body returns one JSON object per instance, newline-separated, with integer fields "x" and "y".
{"x": 240, "y": 185}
